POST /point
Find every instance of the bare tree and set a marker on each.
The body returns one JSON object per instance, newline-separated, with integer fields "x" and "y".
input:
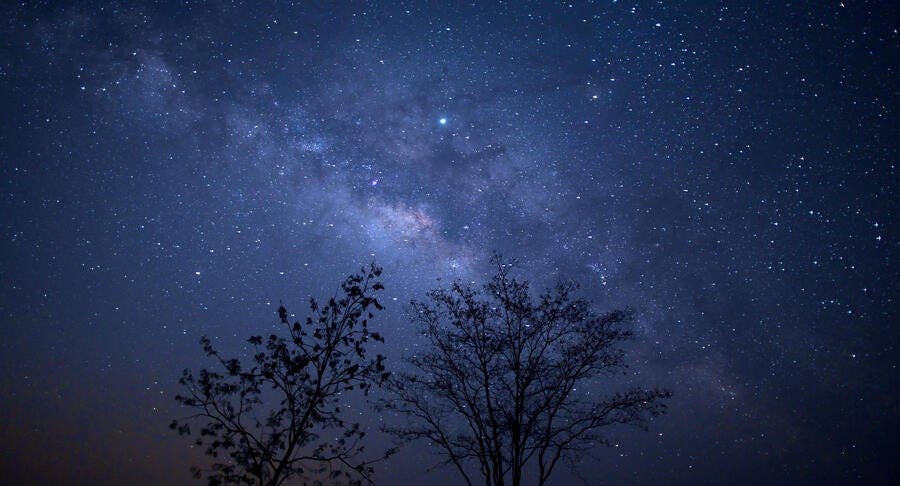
{"x": 510, "y": 380}
{"x": 280, "y": 418}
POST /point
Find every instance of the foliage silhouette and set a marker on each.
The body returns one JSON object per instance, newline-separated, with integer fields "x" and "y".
{"x": 510, "y": 381}
{"x": 278, "y": 419}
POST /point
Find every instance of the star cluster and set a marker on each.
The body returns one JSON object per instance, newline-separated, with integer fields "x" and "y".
{"x": 170, "y": 171}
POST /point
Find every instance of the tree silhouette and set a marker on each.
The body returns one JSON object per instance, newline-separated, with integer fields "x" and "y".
{"x": 510, "y": 380}
{"x": 280, "y": 418}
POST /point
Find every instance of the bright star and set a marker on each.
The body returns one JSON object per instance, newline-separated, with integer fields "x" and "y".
{"x": 442, "y": 121}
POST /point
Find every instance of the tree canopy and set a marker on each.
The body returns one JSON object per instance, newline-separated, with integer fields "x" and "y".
{"x": 508, "y": 380}
{"x": 279, "y": 417}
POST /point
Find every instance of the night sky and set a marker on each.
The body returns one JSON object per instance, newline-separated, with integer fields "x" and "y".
{"x": 171, "y": 171}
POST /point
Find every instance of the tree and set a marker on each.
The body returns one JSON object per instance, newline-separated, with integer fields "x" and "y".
{"x": 509, "y": 380}
{"x": 281, "y": 417}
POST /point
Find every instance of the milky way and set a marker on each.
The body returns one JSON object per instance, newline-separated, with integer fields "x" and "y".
{"x": 728, "y": 171}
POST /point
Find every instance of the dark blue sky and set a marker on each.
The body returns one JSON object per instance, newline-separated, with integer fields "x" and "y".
{"x": 170, "y": 171}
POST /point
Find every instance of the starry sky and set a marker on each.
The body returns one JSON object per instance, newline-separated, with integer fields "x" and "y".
{"x": 726, "y": 168}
